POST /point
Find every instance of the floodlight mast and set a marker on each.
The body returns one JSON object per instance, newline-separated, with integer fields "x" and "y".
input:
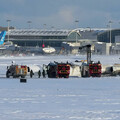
{"x": 8, "y": 21}
{"x": 110, "y": 24}
{"x": 76, "y": 21}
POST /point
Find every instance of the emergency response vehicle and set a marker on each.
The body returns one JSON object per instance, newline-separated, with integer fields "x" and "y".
{"x": 95, "y": 69}
{"x": 16, "y": 71}
{"x": 55, "y": 70}
{"x": 90, "y": 69}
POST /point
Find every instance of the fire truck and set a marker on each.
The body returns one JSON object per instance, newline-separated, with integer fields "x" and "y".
{"x": 58, "y": 70}
{"x": 63, "y": 70}
{"x": 90, "y": 69}
{"x": 16, "y": 71}
{"x": 95, "y": 69}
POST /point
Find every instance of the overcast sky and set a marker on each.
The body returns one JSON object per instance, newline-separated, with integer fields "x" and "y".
{"x": 60, "y": 14}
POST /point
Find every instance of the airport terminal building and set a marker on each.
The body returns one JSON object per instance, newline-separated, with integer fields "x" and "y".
{"x": 53, "y": 38}
{"x": 109, "y": 42}
{"x": 35, "y": 37}
{"x": 105, "y": 36}
{"x": 100, "y": 38}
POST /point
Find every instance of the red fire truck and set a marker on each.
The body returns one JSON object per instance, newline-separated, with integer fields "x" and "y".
{"x": 55, "y": 70}
{"x": 95, "y": 69}
{"x": 63, "y": 70}
{"x": 90, "y": 68}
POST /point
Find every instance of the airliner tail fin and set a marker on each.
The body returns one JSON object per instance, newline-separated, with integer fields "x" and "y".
{"x": 2, "y": 37}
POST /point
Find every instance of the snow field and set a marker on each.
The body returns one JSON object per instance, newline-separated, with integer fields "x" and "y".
{"x": 59, "y": 99}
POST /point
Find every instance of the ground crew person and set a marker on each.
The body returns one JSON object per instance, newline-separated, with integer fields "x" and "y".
{"x": 43, "y": 73}
{"x": 39, "y": 73}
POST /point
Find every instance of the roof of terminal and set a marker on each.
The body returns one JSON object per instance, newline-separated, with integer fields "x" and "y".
{"x": 38, "y": 32}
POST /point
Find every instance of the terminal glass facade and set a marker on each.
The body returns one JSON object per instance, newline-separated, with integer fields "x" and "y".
{"x": 105, "y": 36}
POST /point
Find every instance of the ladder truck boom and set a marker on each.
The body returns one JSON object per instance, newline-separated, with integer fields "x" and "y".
{"x": 88, "y": 49}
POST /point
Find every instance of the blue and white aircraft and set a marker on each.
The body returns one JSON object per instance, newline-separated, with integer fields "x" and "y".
{"x": 5, "y": 45}
{"x": 2, "y": 37}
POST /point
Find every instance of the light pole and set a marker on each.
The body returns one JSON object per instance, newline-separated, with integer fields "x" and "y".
{"x": 108, "y": 26}
{"x": 43, "y": 45}
{"x": 8, "y": 21}
{"x": 29, "y": 24}
{"x": 76, "y": 21}
{"x": 110, "y": 22}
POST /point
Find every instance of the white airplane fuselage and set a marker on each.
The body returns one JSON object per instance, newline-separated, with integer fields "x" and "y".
{"x": 48, "y": 50}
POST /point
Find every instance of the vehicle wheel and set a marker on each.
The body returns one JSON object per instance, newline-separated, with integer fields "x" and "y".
{"x": 31, "y": 73}
{"x": 57, "y": 76}
{"x": 67, "y": 76}
{"x": 14, "y": 76}
{"x": 7, "y": 74}
{"x": 60, "y": 76}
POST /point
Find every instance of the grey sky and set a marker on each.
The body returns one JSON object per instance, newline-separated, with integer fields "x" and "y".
{"x": 60, "y": 13}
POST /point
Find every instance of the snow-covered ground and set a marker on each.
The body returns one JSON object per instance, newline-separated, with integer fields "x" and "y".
{"x": 59, "y": 99}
